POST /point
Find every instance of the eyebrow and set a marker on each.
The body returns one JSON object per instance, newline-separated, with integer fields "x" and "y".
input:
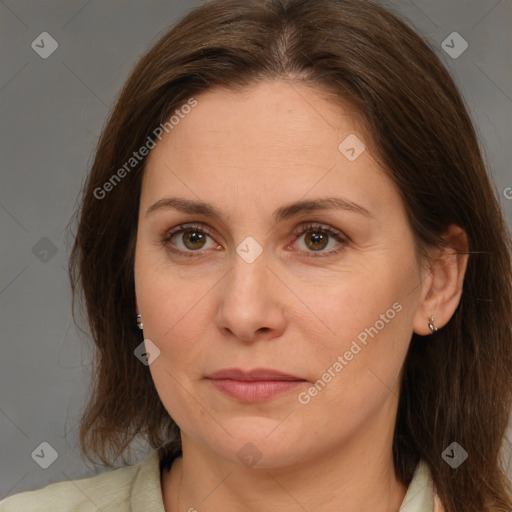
{"x": 284, "y": 212}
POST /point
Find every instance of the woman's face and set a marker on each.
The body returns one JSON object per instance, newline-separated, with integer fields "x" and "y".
{"x": 296, "y": 257}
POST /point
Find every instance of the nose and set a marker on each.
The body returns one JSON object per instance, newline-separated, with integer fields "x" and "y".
{"x": 252, "y": 302}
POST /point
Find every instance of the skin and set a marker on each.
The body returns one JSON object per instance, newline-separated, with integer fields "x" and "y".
{"x": 249, "y": 153}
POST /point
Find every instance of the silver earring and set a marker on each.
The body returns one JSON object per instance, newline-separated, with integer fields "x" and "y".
{"x": 140, "y": 325}
{"x": 431, "y": 325}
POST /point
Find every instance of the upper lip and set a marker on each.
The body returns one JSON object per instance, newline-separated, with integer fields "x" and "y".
{"x": 254, "y": 375}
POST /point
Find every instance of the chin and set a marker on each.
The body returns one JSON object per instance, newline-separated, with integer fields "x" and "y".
{"x": 262, "y": 444}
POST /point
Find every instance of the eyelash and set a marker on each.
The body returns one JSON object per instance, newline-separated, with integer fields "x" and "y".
{"x": 305, "y": 228}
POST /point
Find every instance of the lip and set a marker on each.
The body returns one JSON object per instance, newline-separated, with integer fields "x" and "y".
{"x": 257, "y": 374}
{"x": 253, "y": 385}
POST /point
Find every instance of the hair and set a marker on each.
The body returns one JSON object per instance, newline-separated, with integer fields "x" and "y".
{"x": 456, "y": 385}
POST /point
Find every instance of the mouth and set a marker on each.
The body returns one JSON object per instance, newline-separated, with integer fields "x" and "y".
{"x": 255, "y": 385}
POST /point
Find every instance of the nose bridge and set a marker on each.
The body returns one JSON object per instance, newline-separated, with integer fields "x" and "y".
{"x": 248, "y": 304}
{"x": 249, "y": 272}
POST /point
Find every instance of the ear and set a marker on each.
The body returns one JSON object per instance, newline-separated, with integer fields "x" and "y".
{"x": 443, "y": 284}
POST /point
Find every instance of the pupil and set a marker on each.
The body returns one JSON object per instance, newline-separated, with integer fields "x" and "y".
{"x": 195, "y": 238}
{"x": 318, "y": 237}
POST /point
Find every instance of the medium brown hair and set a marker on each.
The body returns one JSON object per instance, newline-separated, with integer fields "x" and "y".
{"x": 456, "y": 384}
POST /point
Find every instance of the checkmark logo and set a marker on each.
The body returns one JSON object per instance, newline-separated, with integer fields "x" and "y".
{"x": 454, "y": 45}
{"x": 454, "y": 455}
{"x": 249, "y": 455}
{"x": 45, "y": 455}
{"x": 248, "y": 249}
{"x": 44, "y": 45}
{"x": 351, "y": 147}
{"x": 44, "y": 250}
{"x": 147, "y": 352}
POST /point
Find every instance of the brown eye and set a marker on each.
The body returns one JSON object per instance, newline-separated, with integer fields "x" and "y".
{"x": 193, "y": 239}
{"x": 188, "y": 239}
{"x": 318, "y": 237}
{"x": 316, "y": 240}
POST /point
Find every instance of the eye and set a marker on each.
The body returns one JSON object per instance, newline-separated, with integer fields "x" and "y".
{"x": 193, "y": 239}
{"x": 317, "y": 238}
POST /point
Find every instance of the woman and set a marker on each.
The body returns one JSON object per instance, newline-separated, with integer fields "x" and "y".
{"x": 296, "y": 273}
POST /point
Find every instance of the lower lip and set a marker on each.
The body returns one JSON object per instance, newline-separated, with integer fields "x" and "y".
{"x": 254, "y": 390}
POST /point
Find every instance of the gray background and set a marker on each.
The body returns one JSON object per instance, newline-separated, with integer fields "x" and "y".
{"x": 52, "y": 111}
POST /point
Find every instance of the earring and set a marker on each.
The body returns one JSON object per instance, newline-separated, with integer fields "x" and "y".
{"x": 140, "y": 325}
{"x": 431, "y": 325}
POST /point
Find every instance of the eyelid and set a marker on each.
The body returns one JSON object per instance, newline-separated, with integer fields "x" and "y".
{"x": 312, "y": 225}
{"x": 169, "y": 233}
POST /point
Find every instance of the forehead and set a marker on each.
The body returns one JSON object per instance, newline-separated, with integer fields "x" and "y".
{"x": 269, "y": 143}
{"x": 267, "y": 114}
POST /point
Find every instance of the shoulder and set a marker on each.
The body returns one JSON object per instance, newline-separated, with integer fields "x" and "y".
{"x": 110, "y": 491}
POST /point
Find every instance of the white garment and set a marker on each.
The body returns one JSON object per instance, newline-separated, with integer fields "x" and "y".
{"x": 137, "y": 488}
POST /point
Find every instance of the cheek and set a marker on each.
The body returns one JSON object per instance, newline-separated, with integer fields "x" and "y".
{"x": 164, "y": 296}
{"x": 349, "y": 302}
{"x": 168, "y": 307}
{"x": 366, "y": 320}
{"x": 170, "y": 315}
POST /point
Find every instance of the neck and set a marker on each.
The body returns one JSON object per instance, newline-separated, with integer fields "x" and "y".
{"x": 358, "y": 477}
